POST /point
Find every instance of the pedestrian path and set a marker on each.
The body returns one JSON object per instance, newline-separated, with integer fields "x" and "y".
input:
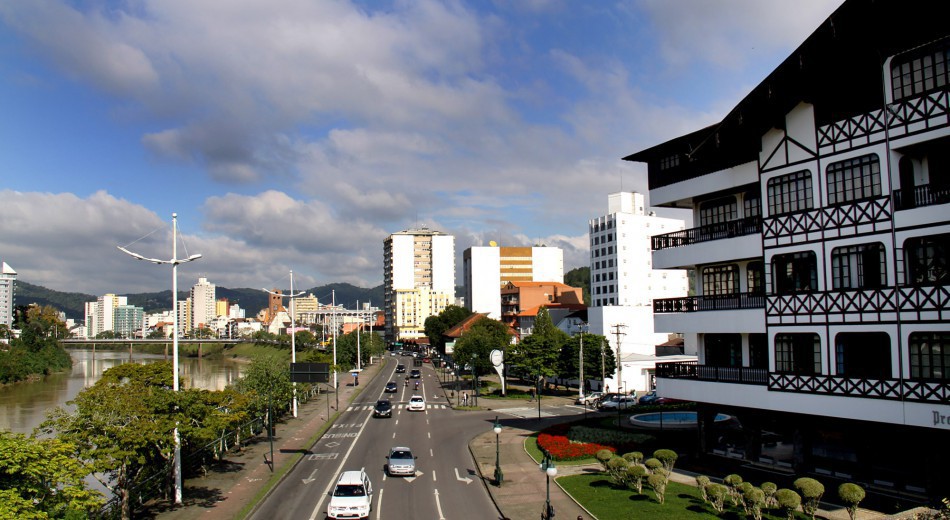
{"x": 525, "y": 412}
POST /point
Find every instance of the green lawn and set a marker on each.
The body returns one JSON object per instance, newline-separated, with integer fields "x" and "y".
{"x": 604, "y": 501}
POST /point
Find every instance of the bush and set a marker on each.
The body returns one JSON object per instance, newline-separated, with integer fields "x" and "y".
{"x": 851, "y": 495}
{"x": 811, "y": 491}
{"x": 635, "y": 474}
{"x": 733, "y": 482}
{"x": 617, "y": 469}
{"x": 702, "y": 481}
{"x": 604, "y": 456}
{"x": 554, "y": 441}
{"x": 634, "y": 457}
{"x": 658, "y": 483}
{"x": 769, "y": 489}
{"x": 668, "y": 458}
{"x": 717, "y": 496}
{"x": 788, "y": 501}
{"x": 755, "y": 501}
{"x": 621, "y": 441}
{"x": 653, "y": 465}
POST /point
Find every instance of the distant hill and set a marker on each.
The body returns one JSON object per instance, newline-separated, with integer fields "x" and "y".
{"x": 251, "y": 300}
{"x": 579, "y": 277}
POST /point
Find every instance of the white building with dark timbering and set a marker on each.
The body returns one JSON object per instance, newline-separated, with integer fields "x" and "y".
{"x": 822, "y": 310}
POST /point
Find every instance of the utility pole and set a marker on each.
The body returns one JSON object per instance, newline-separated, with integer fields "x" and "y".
{"x": 581, "y": 359}
{"x": 618, "y": 334}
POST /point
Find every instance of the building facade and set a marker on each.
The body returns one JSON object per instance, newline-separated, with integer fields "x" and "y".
{"x": 7, "y": 294}
{"x": 488, "y": 269}
{"x": 623, "y": 284}
{"x": 418, "y": 280}
{"x": 822, "y": 310}
{"x": 203, "y": 307}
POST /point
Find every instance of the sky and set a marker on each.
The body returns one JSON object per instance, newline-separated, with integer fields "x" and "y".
{"x": 298, "y": 134}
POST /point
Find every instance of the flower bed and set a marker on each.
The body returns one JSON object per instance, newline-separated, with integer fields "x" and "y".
{"x": 554, "y": 440}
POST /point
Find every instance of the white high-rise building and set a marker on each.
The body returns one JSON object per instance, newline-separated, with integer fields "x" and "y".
{"x": 100, "y": 314}
{"x": 203, "y": 301}
{"x": 419, "y": 266}
{"x": 488, "y": 269}
{"x": 623, "y": 285}
{"x": 7, "y": 294}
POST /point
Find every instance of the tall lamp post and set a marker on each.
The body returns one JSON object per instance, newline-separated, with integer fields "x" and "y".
{"x": 498, "y": 475}
{"x": 293, "y": 328}
{"x": 549, "y": 469}
{"x": 580, "y": 386}
{"x": 173, "y": 261}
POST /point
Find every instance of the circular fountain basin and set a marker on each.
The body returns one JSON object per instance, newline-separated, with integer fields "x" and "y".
{"x": 671, "y": 420}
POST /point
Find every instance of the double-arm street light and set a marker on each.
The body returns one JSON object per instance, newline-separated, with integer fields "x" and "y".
{"x": 550, "y": 470}
{"x": 174, "y": 261}
{"x": 498, "y": 475}
{"x": 293, "y": 328}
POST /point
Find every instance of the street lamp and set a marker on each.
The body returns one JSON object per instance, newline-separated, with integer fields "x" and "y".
{"x": 580, "y": 386}
{"x": 547, "y": 466}
{"x": 498, "y": 475}
{"x": 293, "y": 328}
{"x": 174, "y": 261}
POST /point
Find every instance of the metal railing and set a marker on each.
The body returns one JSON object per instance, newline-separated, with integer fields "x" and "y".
{"x": 724, "y": 302}
{"x": 708, "y": 233}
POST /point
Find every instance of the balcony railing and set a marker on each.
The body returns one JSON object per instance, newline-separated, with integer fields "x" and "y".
{"x": 886, "y": 389}
{"x": 708, "y": 233}
{"x": 920, "y": 196}
{"x": 693, "y": 370}
{"x": 725, "y": 302}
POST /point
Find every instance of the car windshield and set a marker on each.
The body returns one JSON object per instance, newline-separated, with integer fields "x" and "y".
{"x": 415, "y": 399}
{"x": 382, "y": 404}
{"x": 349, "y": 490}
{"x": 400, "y": 455}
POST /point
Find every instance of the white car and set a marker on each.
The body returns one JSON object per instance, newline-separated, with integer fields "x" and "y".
{"x": 401, "y": 462}
{"x": 416, "y": 404}
{"x": 352, "y": 497}
{"x": 621, "y": 401}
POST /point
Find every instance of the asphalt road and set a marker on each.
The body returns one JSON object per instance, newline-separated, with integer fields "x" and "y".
{"x": 446, "y": 485}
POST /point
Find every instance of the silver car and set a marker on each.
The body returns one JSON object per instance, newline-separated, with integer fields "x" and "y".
{"x": 401, "y": 462}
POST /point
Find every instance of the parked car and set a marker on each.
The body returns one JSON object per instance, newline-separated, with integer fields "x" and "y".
{"x": 352, "y": 497}
{"x": 401, "y": 462}
{"x": 648, "y": 397}
{"x": 427, "y": 359}
{"x": 391, "y": 387}
{"x": 590, "y": 399}
{"x": 667, "y": 400}
{"x": 400, "y": 369}
{"x": 417, "y": 404}
{"x": 621, "y": 401}
{"x": 383, "y": 408}
{"x": 415, "y": 373}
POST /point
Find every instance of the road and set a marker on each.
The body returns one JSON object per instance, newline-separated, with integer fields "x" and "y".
{"x": 445, "y": 486}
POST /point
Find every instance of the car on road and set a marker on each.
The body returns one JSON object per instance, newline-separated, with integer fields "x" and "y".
{"x": 416, "y": 404}
{"x": 400, "y": 369}
{"x": 352, "y": 497}
{"x": 391, "y": 387}
{"x": 383, "y": 408}
{"x": 648, "y": 397}
{"x": 415, "y": 373}
{"x": 401, "y": 462}
{"x": 590, "y": 399}
{"x": 621, "y": 401}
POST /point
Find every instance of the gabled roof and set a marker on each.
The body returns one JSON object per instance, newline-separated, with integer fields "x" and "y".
{"x": 466, "y": 324}
{"x": 533, "y": 311}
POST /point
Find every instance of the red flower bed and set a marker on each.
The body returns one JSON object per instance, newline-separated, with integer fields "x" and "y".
{"x": 554, "y": 441}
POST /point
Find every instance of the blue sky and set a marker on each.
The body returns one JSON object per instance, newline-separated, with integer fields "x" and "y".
{"x": 299, "y": 134}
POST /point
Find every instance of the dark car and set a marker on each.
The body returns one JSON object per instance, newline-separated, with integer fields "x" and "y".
{"x": 648, "y": 398}
{"x": 391, "y": 387}
{"x": 400, "y": 369}
{"x": 415, "y": 373}
{"x": 383, "y": 408}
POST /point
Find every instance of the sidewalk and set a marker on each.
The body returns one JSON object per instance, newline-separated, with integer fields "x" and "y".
{"x": 229, "y": 492}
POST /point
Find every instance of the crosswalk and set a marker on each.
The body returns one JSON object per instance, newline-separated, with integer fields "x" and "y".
{"x": 363, "y": 408}
{"x": 525, "y": 412}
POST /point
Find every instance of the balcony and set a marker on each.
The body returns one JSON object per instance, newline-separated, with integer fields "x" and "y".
{"x": 920, "y": 196}
{"x": 693, "y": 370}
{"x": 725, "y": 302}
{"x": 708, "y": 233}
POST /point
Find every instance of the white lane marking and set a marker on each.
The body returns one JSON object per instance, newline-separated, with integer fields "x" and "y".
{"x": 429, "y": 434}
{"x": 394, "y": 435}
{"x": 326, "y": 492}
{"x": 379, "y": 503}
{"x": 438, "y": 505}
{"x": 430, "y": 453}
{"x": 311, "y": 477}
{"x": 465, "y": 480}
{"x": 433, "y": 476}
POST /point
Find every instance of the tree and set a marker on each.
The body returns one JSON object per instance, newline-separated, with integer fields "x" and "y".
{"x": 435, "y": 326}
{"x": 569, "y": 362}
{"x": 539, "y": 352}
{"x": 41, "y": 479}
{"x": 475, "y": 345}
{"x": 811, "y": 491}
{"x": 788, "y": 501}
{"x": 851, "y": 495}
{"x": 107, "y": 334}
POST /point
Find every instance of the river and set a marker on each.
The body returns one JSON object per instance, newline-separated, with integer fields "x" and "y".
{"x": 23, "y": 406}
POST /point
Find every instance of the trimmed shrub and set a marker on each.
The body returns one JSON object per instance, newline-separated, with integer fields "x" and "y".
{"x": 634, "y": 457}
{"x": 668, "y": 458}
{"x": 788, "y": 501}
{"x": 769, "y": 489}
{"x": 603, "y": 456}
{"x": 811, "y": 491}
{"x": 617, "y": 469}
{"x": 851, "y": 495}
{"x": 733, "y": 482}
{"x": 635, "y": 475}
{"x": 755, "y": 501}
{"x": 702, "y": 481}
{"x": 742, "y": 489}
{"x": 717, "y": 496}
{"x": 658, "y": 483}
{"x": 653, "y": 465}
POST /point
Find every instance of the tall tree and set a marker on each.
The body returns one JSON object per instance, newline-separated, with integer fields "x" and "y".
{"x": 539, "y": 352}
{"x": 435, "y": 326}
{"x": 594, "y": 346}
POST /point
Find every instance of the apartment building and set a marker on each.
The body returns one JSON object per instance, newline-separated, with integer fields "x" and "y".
{"x": 418, "y": 280}
{"x": 521, "y": 302}
{"x": 488, "y": 269}
{"x": 7, "y": 294}
{"x": 203, "y": 308}
{"x": 821, "y": 313}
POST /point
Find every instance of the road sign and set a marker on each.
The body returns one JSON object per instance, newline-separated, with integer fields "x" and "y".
{"x": 309, "y": 372}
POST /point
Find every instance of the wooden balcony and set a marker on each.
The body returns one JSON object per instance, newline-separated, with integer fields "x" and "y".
{"x": 725, "y": 302}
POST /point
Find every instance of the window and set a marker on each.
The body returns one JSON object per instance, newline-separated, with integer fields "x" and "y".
{"x": 755, "y": 278}
{"x": 858, "y": 267}
{"x": 752, "y": 205}
{"x": 926, "y": 259}
{"x": 854, "y": 179}
{"x": 798, "y": 354}
{"x": 723, "y": 350}
{"x": 720, "y": 280}
{"x": 759, "y": 350}
{"x": 716, "y": 211}
{"x": 795, "y": 272}
{"x": 919, "y": 73}
{"x": 671, "y": 161}
{"x": 929, "y": 355}
{"x": 863, "y": 355}
{"x": 790, "y": 193}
